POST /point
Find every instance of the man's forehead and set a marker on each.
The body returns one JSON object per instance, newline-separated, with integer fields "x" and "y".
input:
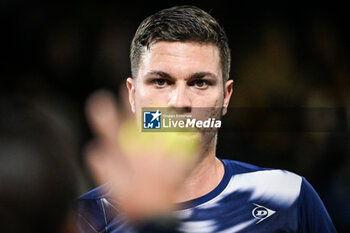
{"x": 181, "y": 55}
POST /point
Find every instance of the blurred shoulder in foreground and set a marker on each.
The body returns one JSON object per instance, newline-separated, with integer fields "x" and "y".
{"x": 38, "y": 174}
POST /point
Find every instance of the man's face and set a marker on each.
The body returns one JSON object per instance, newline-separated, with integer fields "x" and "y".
{"x": 182, "y": 76}
{"x": 179, "y": 75}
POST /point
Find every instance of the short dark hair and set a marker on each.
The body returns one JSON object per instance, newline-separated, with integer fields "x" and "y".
{"x": 184, "y": 24}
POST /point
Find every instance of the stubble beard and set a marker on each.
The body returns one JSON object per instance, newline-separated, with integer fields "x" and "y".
{"x": 209, "y": 137}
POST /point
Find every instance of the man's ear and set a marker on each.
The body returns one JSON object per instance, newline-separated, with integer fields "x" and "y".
{"x": 227, "y": 95}
{"x": 130, "y": 84}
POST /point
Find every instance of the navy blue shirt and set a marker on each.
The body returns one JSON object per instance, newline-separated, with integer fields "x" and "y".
{"x": 248, "y": 199}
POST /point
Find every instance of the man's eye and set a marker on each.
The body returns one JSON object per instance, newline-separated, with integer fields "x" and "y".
{"x": 200, "y": 83}
{"x": 160, "y": 82}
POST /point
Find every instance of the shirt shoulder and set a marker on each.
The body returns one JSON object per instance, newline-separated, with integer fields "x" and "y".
{"x": 263, "y": 184}
{"x": 96, "y": 212}
{"x": 313, "y": 215}
{"x": 283, "y": 191}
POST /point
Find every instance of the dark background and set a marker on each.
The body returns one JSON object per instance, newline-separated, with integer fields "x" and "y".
{"x": 284, "y": 54}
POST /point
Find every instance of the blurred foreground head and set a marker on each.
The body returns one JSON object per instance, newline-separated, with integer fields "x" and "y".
{"x": 37, "y": 172}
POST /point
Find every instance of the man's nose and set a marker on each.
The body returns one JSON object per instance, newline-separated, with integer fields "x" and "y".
{"x": 179, "y": 98}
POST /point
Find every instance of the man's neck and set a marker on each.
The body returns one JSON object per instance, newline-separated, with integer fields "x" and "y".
{"x": 206, "y": 175}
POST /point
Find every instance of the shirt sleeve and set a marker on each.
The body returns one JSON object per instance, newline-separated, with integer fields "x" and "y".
{"x": 313, "y": 216}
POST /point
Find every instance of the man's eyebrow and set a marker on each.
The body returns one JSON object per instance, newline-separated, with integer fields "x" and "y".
{"x": 197, "y": 75}
{"x": 200, "y": 75}
{"x": 161, "y": 74}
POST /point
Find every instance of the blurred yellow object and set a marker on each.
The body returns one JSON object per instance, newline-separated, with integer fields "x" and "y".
{"x": 181, "y": 145}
